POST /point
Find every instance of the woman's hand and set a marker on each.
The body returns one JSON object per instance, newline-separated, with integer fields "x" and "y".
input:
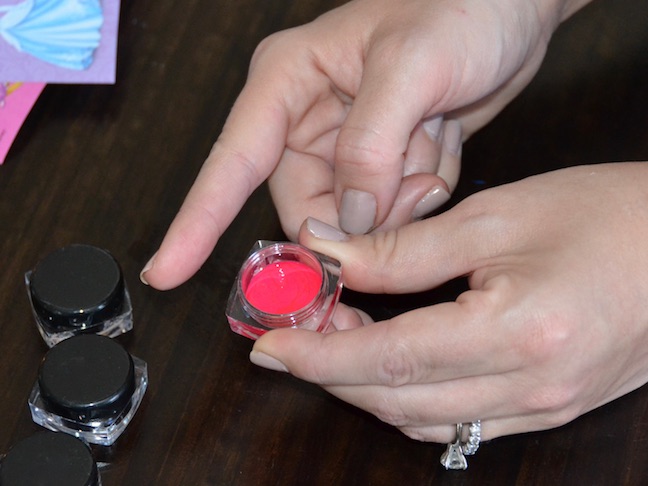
{"x": 555, "y": 322}
{"x": 359, "y": 117}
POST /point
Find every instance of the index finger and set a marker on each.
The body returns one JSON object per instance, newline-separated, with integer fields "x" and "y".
{"x": 244, "y": 155}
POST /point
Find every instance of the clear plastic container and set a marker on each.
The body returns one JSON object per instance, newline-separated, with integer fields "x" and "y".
{"x": 88, "y": 386}
{"x": 79, "y": 289}
{"x": 300, "y": 288}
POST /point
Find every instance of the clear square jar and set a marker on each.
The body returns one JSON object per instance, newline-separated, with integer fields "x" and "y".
{"x": 79, "y": 289}
{"x": 88, "y": 386}
{"x": 284, "y": 285}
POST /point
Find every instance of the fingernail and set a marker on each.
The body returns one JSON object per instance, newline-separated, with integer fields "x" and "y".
{"x": 437, "y": 197}
{"x": 146, "y": 268}
{"x": 323, "y": 231}
{"x": 452, "y": 137}
{"x": 432, "y": 127}
{"x": 357, "y": 211}
{"x": 265, "y": 361}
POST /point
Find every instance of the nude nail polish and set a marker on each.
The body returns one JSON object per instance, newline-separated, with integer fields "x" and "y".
{"x": 357, "y": 211}
{"x": 452, "y": 136}
{"x": 323, "y": 231}
{"x": 434, "y": 199}
{"x": 268, "y": 362}
{"x": 146, "y": 268}
{"x": 432, "y": 127}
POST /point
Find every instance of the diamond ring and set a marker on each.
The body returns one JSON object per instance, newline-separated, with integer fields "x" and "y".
{"x": 454, "y": 456}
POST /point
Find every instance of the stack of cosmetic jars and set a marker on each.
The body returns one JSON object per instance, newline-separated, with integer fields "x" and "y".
{"x": 89, "y": 386}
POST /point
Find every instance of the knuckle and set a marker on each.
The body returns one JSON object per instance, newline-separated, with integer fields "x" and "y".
{"x": 418, "y": 434}
{"x": 547, "y": 336}
{"x": 558, "y": 415}
{"x": 553, "y": 395}
{"x": 387, "y": 259}
{"x": 430, "y": 433}
{"x": 552, "y": 400}
{"x": 397, "y": 364}
{"x": 390, "y": 412}
{"x": 244, "y": 171}
{"x": 557, "y": 418}
{"x": 384, "y": 248}
{"x": 365, "y": 151}
{"x": 273, "y": 43}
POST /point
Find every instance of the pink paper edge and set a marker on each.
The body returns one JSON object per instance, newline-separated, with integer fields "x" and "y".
{"x": 17, "y": 106}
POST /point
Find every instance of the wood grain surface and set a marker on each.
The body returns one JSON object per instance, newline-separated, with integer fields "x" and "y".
{"x": 110, "y": 166}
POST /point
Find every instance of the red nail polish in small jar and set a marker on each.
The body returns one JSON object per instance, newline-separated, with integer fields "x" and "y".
{"x": 283, "y": 284}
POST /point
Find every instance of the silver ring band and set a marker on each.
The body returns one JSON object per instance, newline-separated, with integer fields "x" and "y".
{"x": 454, "y": 456}
{"x": 474, "y": 439}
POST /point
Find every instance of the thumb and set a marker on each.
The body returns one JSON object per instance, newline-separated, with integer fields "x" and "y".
{"x": 413, "y": 258}
{"x": 373, "y": 141}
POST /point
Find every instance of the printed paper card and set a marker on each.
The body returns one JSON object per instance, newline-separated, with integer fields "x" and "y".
{"x": 58, "y": 41}
{"x": 16, "y": 100}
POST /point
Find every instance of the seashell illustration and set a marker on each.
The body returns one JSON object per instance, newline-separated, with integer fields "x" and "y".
{"x": 61, "y": 32}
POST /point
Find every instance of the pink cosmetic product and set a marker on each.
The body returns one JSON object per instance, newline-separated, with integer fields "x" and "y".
{"x": 284, "y": 285}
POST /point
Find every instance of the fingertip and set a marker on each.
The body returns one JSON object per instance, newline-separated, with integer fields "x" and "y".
{"x": 452, "y": 137}
{"x": 350, "y": 250}
{"x": 147, "y": 267}
{"x": 154, "y": 275}
{"x": 266, "y": 361}
{"x": 325, "y": 239}
{"x": 450, "y": 163}
{"x": 346, "y": 318}
{"x": 322, "y": 231}
{"x": 287, "y": 350}
{"x": 419, "y": 195}
{"x": 357, "y": 211}
{"x": 434, "y": 199}
{"x": 432, "y": 127}
{"x": 171, "y": 266}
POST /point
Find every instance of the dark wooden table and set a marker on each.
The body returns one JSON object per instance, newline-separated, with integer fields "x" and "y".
{"x": 110, "y": 165}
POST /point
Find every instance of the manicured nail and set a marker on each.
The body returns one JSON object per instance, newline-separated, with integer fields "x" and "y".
{"x": 432, "y": 127}
{"x": 265, "y": 361}
{"x": 357, "y": 211}
{"x": 452, "y": 137}
{"x": 323, "y": 231}
{"x": 437, "y": 197}
{"x": 146, "y": 268}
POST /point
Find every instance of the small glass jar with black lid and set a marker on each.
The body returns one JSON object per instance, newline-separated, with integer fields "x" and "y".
{"x": 50, "y": 458}
{"x": 88, "y": 386}
{"x": 79, "y": 289}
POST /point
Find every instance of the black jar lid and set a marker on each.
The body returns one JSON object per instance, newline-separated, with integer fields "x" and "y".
{"x": 51, "y": 458}
{"x": 87, "y": 377}
{"x": 77, "y": 286}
